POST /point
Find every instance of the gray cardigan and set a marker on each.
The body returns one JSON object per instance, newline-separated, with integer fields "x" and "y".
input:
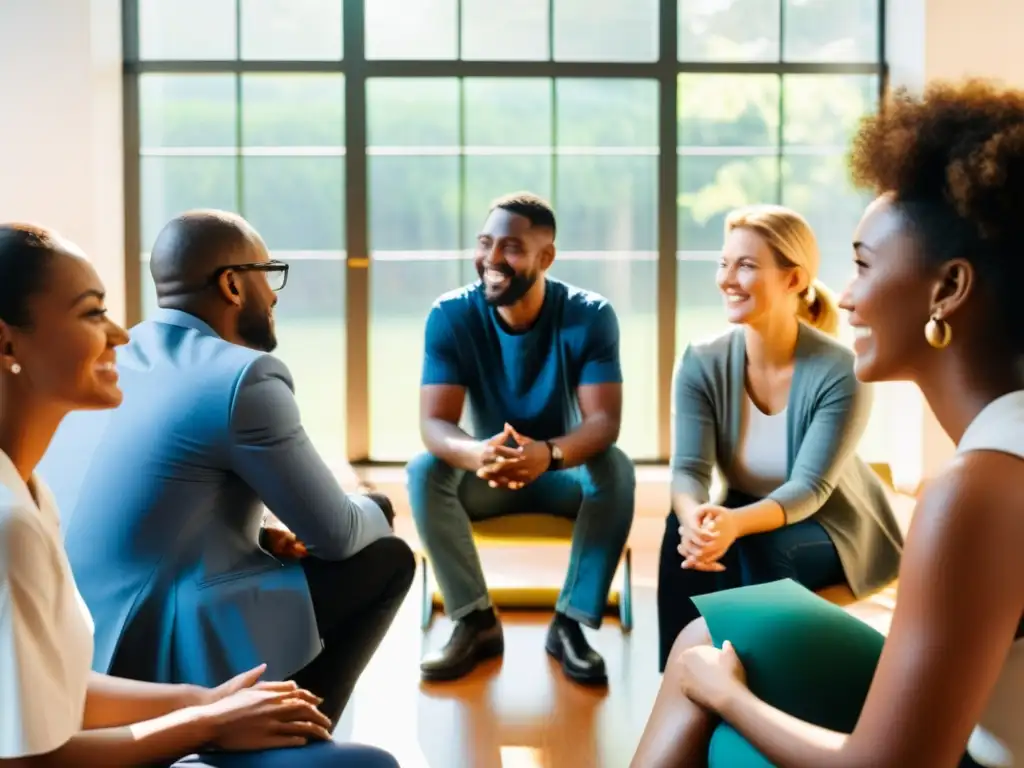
{"x": 827, "y": 413}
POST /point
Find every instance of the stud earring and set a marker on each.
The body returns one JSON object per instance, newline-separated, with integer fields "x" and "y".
{"x": 938, "y": 333}
{"x": 15, "y": 368}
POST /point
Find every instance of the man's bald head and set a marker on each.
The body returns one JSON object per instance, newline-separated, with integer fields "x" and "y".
{"x": 193, "y": 245}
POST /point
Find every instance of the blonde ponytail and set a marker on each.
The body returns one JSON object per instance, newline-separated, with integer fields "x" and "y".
{"x": 819, "y": 309}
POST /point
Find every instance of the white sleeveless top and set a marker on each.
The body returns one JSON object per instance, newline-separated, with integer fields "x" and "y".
{"x": 998, "y": 739}
{"x": 759, "y": 466}
{"x": 46, "y": 633}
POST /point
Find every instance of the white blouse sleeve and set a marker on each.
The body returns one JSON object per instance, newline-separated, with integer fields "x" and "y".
{"x": 42, "y": 678}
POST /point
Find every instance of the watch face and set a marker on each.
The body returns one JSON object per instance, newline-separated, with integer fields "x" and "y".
{"x": 556, "y": 452}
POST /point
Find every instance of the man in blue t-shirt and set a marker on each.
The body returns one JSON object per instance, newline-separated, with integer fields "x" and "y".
{"x": 539, "y": 361}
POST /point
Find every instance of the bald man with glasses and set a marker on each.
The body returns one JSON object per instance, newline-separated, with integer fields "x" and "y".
{"x": 205, "y": 532}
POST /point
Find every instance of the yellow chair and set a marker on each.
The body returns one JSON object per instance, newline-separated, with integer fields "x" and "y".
{"x": 536, "y": 530}
{"x": 530, "y": 530}
{"x": 884, "y": 472}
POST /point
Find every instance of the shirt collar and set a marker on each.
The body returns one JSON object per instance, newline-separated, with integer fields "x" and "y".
{"x": 11, "y": 480}
{"x": 182, "y": 320}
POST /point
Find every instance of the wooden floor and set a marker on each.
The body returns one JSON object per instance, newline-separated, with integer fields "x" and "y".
{"x": 520, "y": 712}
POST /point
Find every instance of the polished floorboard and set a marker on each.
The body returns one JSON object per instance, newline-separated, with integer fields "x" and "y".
{"x": 519, "y": 712}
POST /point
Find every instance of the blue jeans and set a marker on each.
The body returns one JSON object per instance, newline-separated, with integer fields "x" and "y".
{"x": 598, "y": 496}
{"x": 326, "y": 754}
{"x": 802, "y": 552}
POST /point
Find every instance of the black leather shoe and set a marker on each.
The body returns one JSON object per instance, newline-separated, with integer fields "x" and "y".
{"x": 467, "y": 647}
{"x": 567, "y": 644}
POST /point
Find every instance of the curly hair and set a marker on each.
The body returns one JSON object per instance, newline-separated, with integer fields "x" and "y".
{"x": 954, "y": 160}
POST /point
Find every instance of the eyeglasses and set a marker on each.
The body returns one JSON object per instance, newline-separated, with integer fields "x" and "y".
{"x": 276, "y": 272}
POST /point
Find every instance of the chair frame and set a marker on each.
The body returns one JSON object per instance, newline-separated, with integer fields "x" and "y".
{"x": 623, "y": 598}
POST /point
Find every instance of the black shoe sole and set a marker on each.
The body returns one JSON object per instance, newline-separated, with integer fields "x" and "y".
{"x": 578, "y": 677}
{"x": 488, "y": 649}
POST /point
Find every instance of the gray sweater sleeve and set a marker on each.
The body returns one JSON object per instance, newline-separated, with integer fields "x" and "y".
{"x": 694, "y": 437}
{"x": 840, "y": 418}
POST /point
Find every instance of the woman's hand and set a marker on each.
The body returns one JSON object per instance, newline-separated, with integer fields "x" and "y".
{"x": 250, "y": 679}
{"x": 707, "y": 533}
{"x": 692, "y": 536}
{"x": 262, "y": 717}
{"x": 711, "y": 675}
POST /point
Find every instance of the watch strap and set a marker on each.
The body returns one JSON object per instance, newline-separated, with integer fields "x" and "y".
{"x": 557, "y": 462}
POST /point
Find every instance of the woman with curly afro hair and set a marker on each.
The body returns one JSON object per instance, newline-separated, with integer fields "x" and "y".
{"x": 772, "y": 674}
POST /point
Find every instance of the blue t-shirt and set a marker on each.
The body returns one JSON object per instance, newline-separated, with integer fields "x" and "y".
{"x": 528, "y": 379}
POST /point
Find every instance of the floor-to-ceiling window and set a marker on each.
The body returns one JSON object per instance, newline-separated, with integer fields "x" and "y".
{"x": 365, "y": 139}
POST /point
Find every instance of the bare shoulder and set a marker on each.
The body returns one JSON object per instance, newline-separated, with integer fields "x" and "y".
{"x": 960, "y": 599}
{"x": 974, "y": 510}
{"x": 981, "y": 485}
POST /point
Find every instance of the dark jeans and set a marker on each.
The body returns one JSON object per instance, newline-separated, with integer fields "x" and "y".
{"x": 802, "y": 552}
{"x": 355, "y": 601}
{"x": 320, "y": 755}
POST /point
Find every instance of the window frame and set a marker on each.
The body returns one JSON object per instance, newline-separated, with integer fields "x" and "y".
{"x": 357, "y": 69}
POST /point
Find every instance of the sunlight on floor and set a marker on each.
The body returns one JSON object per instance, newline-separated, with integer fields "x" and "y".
{"x": 521, "y": 757}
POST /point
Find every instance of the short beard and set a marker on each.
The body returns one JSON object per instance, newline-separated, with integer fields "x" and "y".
{"x": 518, "y": 287}
{"x": 255, "y": 329}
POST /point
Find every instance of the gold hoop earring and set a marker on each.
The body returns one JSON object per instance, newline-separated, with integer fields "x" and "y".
{"x": 938, "y": 333}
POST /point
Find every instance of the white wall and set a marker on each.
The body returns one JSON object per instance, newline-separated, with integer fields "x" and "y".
{"x": 60, "y": 126}
{"x": 948, "y": 40}
{"x": 977, "y": 38}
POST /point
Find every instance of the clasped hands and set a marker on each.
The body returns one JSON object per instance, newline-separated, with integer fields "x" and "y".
{"x": 512, "y": 466}
{"x": 707, "y": 532}
{"x": 709, "y": 674}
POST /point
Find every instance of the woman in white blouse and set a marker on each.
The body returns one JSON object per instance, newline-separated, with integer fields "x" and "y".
{"x": 57, "y": 355}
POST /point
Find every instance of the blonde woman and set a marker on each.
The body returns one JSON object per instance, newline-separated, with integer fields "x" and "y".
{"x": 775, "y": 406}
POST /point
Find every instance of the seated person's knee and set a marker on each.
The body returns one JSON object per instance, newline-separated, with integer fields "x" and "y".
{"x": 613, "y": 468}
{"x": 399, "y": 555}
{"x": 424, "y": 468}
{"x": 377, "y": 758}
{"x": 385, "y": 505}
{"x": 694, "y": 634}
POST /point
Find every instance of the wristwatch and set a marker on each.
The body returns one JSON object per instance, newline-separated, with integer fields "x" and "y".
{"x": 557, "y": 457}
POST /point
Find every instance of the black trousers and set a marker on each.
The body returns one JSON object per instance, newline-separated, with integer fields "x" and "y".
{"x": 355, "y": 601}
{"x": 803, "y": 552}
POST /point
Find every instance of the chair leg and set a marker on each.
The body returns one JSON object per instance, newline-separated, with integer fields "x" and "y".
{"x": 626, "y": 600}
{"x": 428, "y": 602}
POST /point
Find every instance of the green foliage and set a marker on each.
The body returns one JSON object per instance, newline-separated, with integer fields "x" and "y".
{"x": 272, "y": 147}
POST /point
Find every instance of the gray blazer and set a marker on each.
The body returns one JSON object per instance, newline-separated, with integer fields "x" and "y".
{"x": 162, "y": 501}
{"x": 827, "y": 413}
